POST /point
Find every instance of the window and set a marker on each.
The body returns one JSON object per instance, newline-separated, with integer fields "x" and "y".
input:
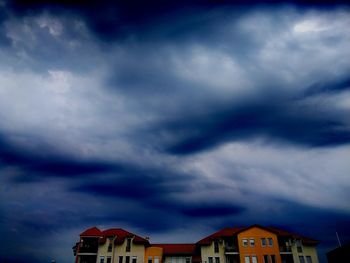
{"x": 109, "y": 247}
{"x": 120, "y": 259}
{"x": 301, "y": 259}
{"x": 273, "y": 259}
{"x": 246, "y": 259}
{"x": 134, "y": 259}
{"x": 102, "y": 259}
{"x": 254, "y": 259}
{"x": 245, "y": 242}
{"x": 308, "y": 259}
{"x": 109, "y": 259}
{"x": 216, "y": 247}
{"x": 127, "y": 259}
{"x": 188, "y": 260}
{"x": 270, "y": 242}
{"x": 263, "y": 242}
{"x": 252, "y": 242}
{"x": 299, "y": 247}
{"x": 156, "y": 260}
{"x": 217, "y": 260}
{"x": 149, "y": 259}
{"x": 210, "y": 260}
{"x": 128, "y": 245}
{"x": 266, "y": 259}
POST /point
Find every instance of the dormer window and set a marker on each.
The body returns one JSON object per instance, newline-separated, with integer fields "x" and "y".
{"x": 109, "y": 247}
{"x": 128, "y": 245}
{"x": 299, "y": 246}
{"x": 110, "y": 244}
{"x": 216, "y": 247}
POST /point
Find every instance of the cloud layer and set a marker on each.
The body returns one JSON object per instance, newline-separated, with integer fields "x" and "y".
{"x": 171, "y": 120}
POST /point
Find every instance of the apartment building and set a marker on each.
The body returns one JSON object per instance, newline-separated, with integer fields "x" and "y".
{"x": 114, "y": 245}
{"x": 295, "y": 247}
{"x": 87, "y": 248}
{"x": 257, "y": 244}
{"x": 253, "y": 244}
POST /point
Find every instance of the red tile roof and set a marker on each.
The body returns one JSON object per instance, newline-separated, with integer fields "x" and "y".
{"x": 91, "y": 232}
{"x": 229, "y": 232}
{"x": 177, "y": 249}
{"x": 283, "y": 233}
{"x": 226, "y": 232}
{"x": 120, "y": 235}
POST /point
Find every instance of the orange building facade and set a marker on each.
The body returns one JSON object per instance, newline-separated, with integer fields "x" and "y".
{"x": 256, "y": 244}
{"x": 153, "y": 254}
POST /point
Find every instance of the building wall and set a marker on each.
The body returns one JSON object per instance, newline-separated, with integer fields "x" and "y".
{"x": 307, "y": 251}
{"x": 258, "y": 250}
{"x": 208, "y": 251}
{"x": 153, "y": 252}
{"x": 137, "y": 251}
{"x": 103, "y": 251}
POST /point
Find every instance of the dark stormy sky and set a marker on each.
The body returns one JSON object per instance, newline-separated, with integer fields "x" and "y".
{"x": 171, "y": 119}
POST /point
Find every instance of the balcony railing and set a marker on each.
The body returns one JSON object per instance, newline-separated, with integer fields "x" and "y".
{"x": 285, "y": 249}
{"x": 88, "y": 249}
{"x": 231, "y": 248}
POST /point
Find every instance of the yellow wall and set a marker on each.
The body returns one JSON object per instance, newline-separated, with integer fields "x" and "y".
{"x": 258, "y": 250}
{"x": 102, "y": 251}
{"x": 153, "y": 252}
{"x": 120, "y": 250}
{"x": 307, "y": 251}
{"x": 136, "y": 250}
{"x": 208, "y": 251}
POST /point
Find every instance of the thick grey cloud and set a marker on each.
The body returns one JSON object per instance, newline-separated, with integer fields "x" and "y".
{"x": 202, "y": 115}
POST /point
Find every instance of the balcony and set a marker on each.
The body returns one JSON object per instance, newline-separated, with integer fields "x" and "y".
{"x": 88, "y": 246}
{"x": 88, "y": 250}
{"x": 285, "y": 249}
{"x": 231, "y": 249}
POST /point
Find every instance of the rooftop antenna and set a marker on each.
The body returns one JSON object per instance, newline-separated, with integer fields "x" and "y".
{"x": 338, "y": 238}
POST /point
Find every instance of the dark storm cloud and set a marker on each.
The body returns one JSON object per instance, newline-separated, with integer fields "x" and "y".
{"x": 151, "y": 185}
{"x": 4, "y": 41}
{"x": 158, "y": 193}
{"x": 288, "y": 120}
{"x": 215, "y": 210}
{"x": 42, "y": 162}
{"x": 111, "y": 20}
{"x": 324, "y": 87}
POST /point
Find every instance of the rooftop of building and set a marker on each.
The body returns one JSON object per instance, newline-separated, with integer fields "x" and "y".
{"x": 117, "y": 234}
{"x": 232, "y": 231}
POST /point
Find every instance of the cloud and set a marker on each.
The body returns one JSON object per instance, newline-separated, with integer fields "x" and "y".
{"x": 50, "y": 164}
{"x": 202, "y": 115}
{"x": 255, "y": 168}
{"x": 213, "y": 211}
{"x": 292, "y": 121}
